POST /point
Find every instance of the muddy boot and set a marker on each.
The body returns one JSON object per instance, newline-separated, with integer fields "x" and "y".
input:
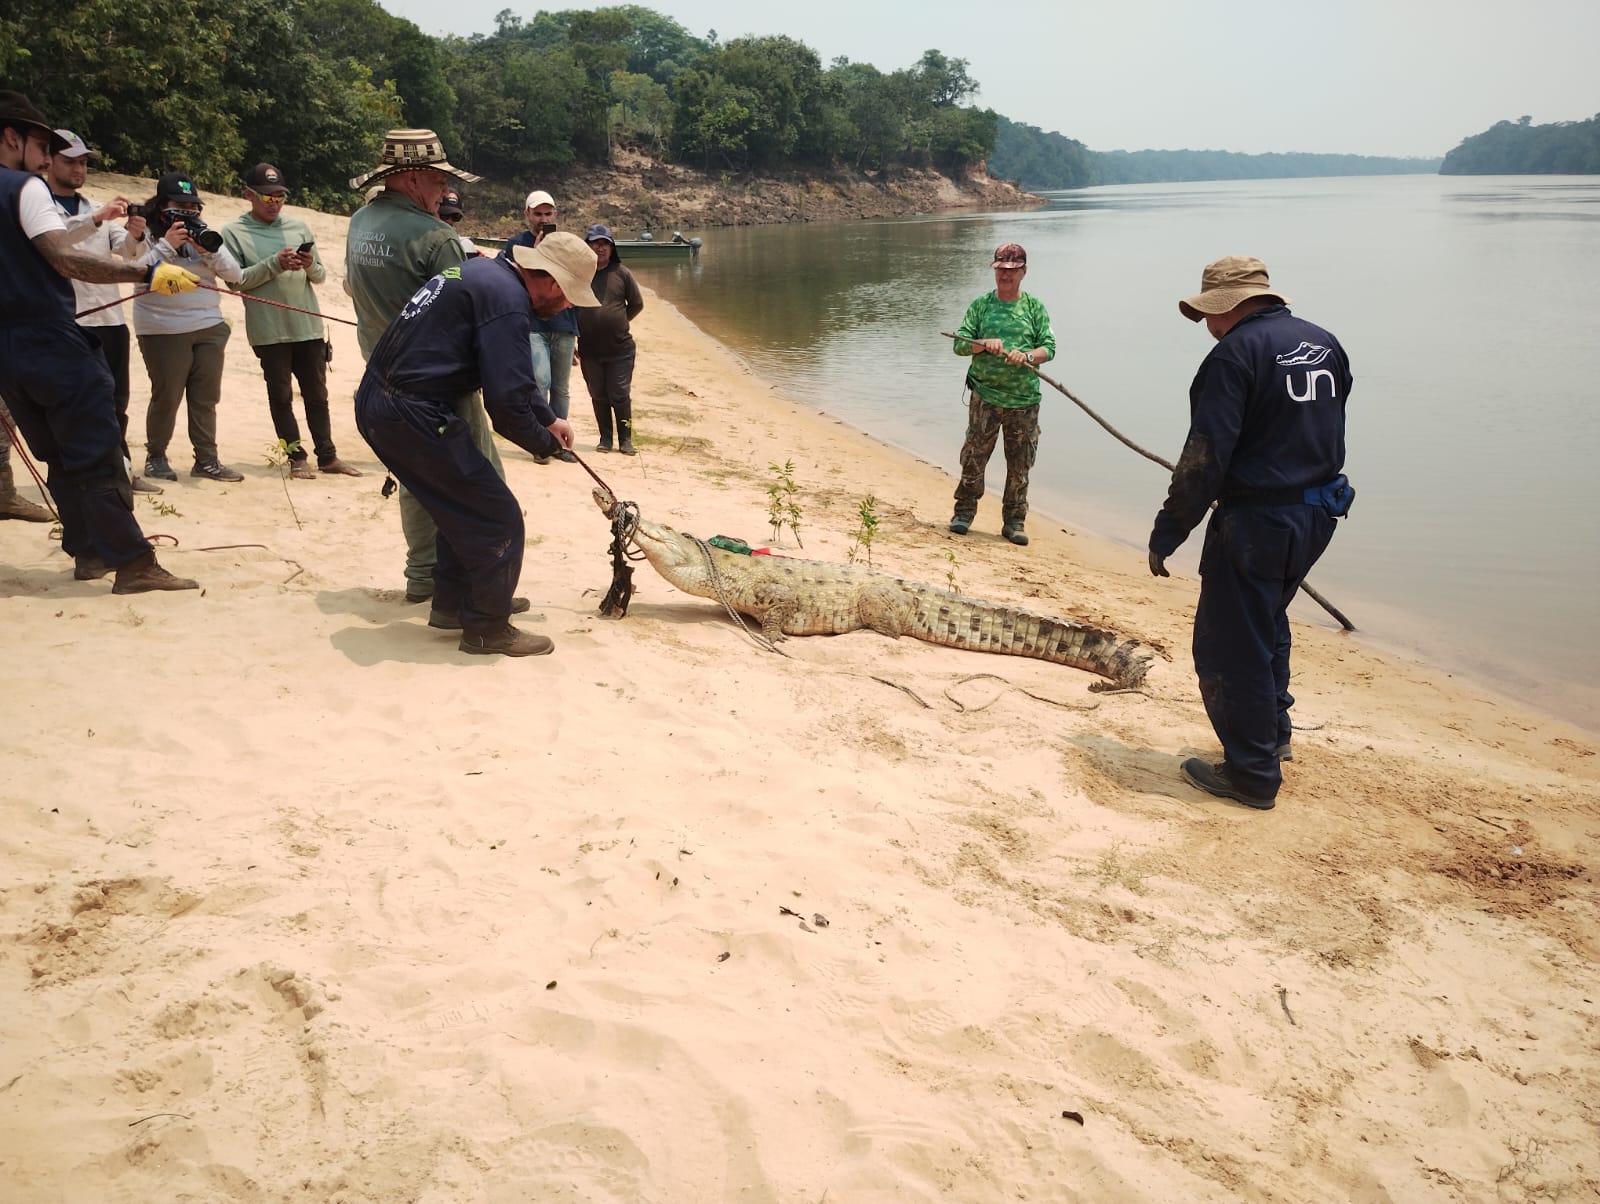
{"x": 89, "y": 568}
{"x": 144, "y": 575}
{"x": 13, "y": 504}
{"x": 508, "y": 641}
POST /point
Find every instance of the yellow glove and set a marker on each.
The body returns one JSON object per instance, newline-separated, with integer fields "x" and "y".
{"x": 170, "y": 279}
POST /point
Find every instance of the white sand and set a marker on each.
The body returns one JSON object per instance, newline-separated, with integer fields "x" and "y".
{"x": 298, "y": 903}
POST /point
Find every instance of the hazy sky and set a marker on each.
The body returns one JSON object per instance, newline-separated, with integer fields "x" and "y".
{"x": 1376, "y": 77}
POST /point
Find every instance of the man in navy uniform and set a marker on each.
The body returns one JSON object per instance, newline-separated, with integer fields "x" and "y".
{"x": 1266, "y": 443}
{"x": 467, "y": 329}
{"x": 52, "y": 376}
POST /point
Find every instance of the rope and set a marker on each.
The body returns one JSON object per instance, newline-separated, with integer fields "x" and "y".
{"x": 1149, "y": 455}
{"x": 226, "y": 292}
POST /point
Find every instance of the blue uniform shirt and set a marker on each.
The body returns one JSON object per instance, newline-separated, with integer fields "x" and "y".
{"x": 464, "y": 330}
{"x": 1266, "y": 417}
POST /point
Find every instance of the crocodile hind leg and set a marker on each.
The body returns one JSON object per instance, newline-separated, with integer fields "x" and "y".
{"x": 884, "y": 608}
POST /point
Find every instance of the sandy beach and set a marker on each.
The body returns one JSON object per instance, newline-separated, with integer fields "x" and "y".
{"x": 300, "y": 904}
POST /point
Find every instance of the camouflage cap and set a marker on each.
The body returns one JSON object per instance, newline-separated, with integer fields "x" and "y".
{"x": 1010, "y": 255}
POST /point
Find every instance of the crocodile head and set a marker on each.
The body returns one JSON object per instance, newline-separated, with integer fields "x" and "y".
{"x": 665, "y": 548}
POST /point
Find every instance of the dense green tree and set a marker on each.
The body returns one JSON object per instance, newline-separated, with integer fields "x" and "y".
{"x": 1522, "y": 148}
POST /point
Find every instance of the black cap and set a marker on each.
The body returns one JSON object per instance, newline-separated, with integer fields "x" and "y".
{"x": 451, "y": 204}
{"x": 17, "y": 110}
{"x": 265, "y": 180}
{"x": 175, "y": 186}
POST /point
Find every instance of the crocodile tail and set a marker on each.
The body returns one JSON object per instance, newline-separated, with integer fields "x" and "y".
{"x": 953, "y": 622}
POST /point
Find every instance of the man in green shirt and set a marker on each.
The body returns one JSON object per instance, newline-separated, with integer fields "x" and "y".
{"x": 396, "y": 244}
{"x": 1006, "y": 332}
{"x": 291, "y": 346}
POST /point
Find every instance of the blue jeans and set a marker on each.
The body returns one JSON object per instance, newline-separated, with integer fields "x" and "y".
{"x": 552, "y": 368}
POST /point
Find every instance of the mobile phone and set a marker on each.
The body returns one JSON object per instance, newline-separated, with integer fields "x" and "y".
{"x": 303, "y": 249}
{"x": 547, "y": 227}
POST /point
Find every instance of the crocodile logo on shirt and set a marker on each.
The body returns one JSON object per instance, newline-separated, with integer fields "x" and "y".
{"x": 1305, "y": 355}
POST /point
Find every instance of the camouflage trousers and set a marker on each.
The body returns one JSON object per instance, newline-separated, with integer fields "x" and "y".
{"x": 985, "y": 425}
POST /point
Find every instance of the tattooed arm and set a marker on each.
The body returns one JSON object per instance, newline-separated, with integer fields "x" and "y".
{"x": 76, "y": 263}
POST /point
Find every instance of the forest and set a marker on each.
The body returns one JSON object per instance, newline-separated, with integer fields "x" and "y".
{"x": 212, "y": 86}
{"x": 1049, "y": 160}
{"x": 1516, "y": 148}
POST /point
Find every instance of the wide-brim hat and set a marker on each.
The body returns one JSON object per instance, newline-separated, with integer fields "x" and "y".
{"x": 1225, "y": 283}
{"x": 567, "y": 258}
{"x": 411, "y": 150}
{"x": 17, "y": 109}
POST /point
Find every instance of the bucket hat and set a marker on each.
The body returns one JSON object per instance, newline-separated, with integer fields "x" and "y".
{"x": 411, "y": 150}
{"x": 17, "y": 109}
{"x": 566, "y": 257}
{"x": 1225, "y": 283}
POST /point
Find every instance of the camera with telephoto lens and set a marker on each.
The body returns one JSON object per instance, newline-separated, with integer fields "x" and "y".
{"x": 209, "y": 240}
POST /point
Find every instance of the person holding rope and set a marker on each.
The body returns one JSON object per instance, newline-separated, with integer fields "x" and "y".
{"x": 1007, "y": 333}
{"x": 289, "y": 338}
{"x": 1266, "y": 442}
{"x": 52, "y": 378}
{"x": 464, "y": 330}
{"x": 95, "y": 228}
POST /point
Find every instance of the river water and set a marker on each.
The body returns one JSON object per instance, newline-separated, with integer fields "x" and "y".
{"x": 1470, "y": 308}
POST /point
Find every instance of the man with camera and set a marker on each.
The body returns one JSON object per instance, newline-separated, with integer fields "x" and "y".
{"x": 52, "y": 379}
{"x": 555, "y": 339}
{"x": 281, "y": 264}
{"x": 94, "y": 228}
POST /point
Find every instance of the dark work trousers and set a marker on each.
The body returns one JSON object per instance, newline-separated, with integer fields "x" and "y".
{"x": 59, "y": 391}
{"x": 1254, "y": 559}
{"x": 479, "y": 544}
{"x": 114, "y": 345}
{"x": 985, "y": 424}
{"x": 610, "y": 384}
{"x": 306, "y": 362}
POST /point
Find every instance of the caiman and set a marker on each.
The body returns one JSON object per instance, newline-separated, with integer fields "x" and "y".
{"x": 788, "y": 596}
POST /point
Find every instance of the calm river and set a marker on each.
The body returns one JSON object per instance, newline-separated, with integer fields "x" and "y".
{"x": 1470, "y": 309}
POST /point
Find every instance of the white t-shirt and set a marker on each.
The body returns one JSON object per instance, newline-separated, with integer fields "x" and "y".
{"x": 36, "y": 211}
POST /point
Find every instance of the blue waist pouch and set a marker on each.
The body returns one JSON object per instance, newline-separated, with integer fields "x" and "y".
{"x": 1336, "y": 497}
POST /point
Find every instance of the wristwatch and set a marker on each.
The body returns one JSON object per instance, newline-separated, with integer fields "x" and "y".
{"x": 1029, "y": 358}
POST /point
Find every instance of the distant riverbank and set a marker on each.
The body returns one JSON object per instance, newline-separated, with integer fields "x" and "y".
{"x": 640, "y": 193}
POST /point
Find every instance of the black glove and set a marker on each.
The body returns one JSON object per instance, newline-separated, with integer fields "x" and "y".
{"x": 1158, "y": 564}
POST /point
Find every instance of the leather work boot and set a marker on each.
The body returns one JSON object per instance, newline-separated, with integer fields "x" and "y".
{"x": 89, "y": 568}
{"x": 508, "y": 641}
{"x": 1015, "y": 533}
{"x": 446, "y": 620}
{"x": 13, "y": 504}
{"x": 144, "y": 575}
{"x": 1214, "y": 779}
{"x": 961, "y": 524}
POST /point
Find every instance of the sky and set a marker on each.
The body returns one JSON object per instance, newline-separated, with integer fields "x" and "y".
{"x": 1370, "y": 77}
